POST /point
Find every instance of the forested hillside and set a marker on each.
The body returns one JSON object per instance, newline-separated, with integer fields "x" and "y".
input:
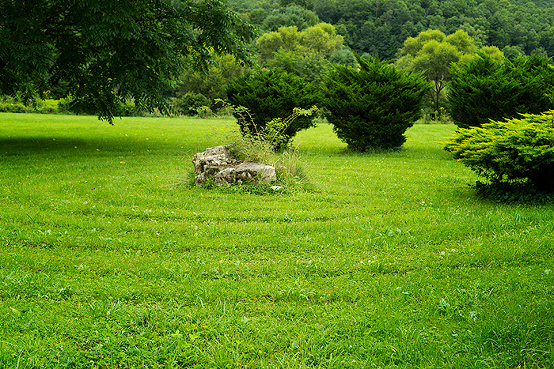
{"x": 380, "y": 27}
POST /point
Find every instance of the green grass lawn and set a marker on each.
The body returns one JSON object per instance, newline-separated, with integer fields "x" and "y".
{"x": 108, "y": 258}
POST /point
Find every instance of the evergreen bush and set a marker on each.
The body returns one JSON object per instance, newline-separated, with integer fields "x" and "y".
{"x": 513, "y": 151}
{"x": 484, "y": 89}
{"x": 271, "y": 94}
{"x": 372, "y": 106}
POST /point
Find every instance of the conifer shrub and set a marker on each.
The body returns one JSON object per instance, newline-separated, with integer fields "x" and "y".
{"x": 517, "y": 151}
{"x": 268, "y": 95}
{"x": 485, "y": 89}
{"x": 372, "y": 106}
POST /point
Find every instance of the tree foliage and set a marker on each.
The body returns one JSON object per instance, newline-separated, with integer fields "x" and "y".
{"x": 320, "y": 39}
{"x": 380, "y": 27}
{"x": 486, "y": 89}
{"x": 306, "y": 4}
{"x": 211, "y": 82}
{"x": 305, "y": 53}
{"x": 310, "y": 67}
{"x": 372, "y": 106}
{"x": 108, "y": 51}
{"x": 290, "y": 16}
{"x": 433, "y": 53}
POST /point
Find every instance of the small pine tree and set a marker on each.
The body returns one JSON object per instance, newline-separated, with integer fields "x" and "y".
{"x": 372, "y": 106}
{"x": 267, "y": 95}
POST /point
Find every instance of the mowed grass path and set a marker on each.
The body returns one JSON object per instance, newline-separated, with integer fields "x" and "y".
{"x": 109, "y": 259}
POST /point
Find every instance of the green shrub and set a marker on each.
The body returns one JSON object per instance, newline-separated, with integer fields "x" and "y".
{"x": 484, "y": 89}
{"x": 373, "y": 106}
{"x": 128, "y": 108}
{"x": 520, "y": 193}
{"x": 64, "y": 105}
{"x": 190, "y": 103}
{"x": 11, "y": 107}
{"x": 517, "y": 150}
{"x": 204, "y": 112}
{"x": 9, "y": 104}
{"x": 48, "y": 106}
{"x": 272, "y": 94}
{"x": 52, "y": 106}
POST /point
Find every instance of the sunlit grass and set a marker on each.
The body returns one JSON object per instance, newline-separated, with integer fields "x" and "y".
{"x": 388, "y": 260}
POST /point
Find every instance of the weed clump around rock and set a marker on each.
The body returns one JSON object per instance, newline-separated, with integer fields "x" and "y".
{"x": 268, "y": 145}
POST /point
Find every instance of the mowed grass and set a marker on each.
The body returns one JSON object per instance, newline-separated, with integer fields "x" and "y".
{"x": 108, "y": 258}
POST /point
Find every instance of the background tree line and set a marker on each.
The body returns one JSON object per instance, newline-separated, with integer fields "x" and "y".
{"x": 379, "y": 27}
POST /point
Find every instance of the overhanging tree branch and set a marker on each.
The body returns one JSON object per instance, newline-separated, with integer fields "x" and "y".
{"x": 140, "y": 46}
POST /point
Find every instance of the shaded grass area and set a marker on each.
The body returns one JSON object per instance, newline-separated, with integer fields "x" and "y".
{"x": 108, "y": 259}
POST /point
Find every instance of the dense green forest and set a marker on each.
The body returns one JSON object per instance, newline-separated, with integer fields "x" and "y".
{"x": 379, "y": 27}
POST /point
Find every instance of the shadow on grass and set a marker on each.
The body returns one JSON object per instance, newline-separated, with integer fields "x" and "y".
{"x": 39, "y": 145}
{"x": 31, "y": 146}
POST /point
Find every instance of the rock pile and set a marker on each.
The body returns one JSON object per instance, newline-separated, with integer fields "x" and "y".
{"x": 218, "y": 164}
